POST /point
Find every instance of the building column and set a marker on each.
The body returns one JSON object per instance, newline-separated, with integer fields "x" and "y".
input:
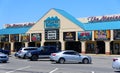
{"x": 42, "y": 43}
{"x": 107, "y": 47}
{"x": 62, "y": 45}
{"x": 111, "y": 35}
{"x": 26, "y": 44}
{"x": 83, "y": 50}
{"x": 12, "y": 47}
{"x": 93, "y": 37}
{"x": 19, "y": 37}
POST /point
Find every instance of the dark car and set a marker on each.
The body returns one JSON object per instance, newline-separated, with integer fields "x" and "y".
{"x": 5, "y": 51}
{"x": 42, "y": 52}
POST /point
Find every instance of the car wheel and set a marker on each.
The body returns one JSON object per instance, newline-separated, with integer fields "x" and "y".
{"x": 85, "y": 61}
{"x": 61, "y": 60}
{"x": 34, "y": 58}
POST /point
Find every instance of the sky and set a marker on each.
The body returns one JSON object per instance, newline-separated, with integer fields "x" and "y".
{"x": 20, "y": 11}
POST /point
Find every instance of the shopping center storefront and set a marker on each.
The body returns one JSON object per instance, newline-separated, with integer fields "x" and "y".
{"x": 60, "y": 29}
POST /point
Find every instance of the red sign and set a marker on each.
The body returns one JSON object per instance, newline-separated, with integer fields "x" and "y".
{"x": 85, "y": 34}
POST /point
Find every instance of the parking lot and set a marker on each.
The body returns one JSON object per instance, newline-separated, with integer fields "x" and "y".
{"x": 100, "y": 64}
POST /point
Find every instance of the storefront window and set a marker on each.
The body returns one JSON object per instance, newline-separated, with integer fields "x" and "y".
{"x": 4, "y": 38}
{"x": 35, "y": 37}
{"x": 14, "y": 37}
{"x": 25, "y": 37}
{"x": 117, "y": 34}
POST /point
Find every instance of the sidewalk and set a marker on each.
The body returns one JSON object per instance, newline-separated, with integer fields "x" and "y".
{"x": 101, "y": 55}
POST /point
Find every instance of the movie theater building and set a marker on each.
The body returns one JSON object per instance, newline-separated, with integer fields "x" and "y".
{"x": 59, "y": 28}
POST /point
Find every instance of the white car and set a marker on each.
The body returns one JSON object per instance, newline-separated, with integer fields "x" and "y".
{"x": 70, "y": 56}
{"x": 22, "y": 51}
{"x": 116, "y": 64}
{"x": 3, "y": 57}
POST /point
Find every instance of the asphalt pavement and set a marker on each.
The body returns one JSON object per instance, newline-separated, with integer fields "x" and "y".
{"x": 100, "y": 64}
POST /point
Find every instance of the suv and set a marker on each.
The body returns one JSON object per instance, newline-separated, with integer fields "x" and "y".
{"x": 22, "y": 51}
{"x": 5, "y": 51}
{"x": 42, "y": 52}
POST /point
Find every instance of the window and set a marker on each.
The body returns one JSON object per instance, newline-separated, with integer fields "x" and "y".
{"x": 70, "y": 53}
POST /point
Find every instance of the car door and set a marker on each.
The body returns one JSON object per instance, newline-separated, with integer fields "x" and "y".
{"x": 44, "y": 52}
{"x": 71, "y": 56}
{"x": 75, "y": 56}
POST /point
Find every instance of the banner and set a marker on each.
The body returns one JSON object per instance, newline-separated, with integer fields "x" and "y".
{"x": 69, "y": 36}
{"x": 102, "y": 35}
{"x": 85, "y": 35}
{"x": 35, "y": 37}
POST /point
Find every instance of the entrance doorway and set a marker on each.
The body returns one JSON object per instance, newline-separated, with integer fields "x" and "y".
{"x": 7, "y": 46}
{"x": 31, "y": 44}
{"x": 57, "y": 44}
{"x": 1, "y": 45}
{"x": 115, "y": 48}
{"x": 100, "y": 47}
{"x": 34, "y": 44}
{"x": 90, "y": 47}
{"x": 18, "y": 45}
{"x": 73, "y": 45}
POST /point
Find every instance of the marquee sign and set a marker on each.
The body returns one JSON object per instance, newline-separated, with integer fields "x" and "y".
{"x": 52, "y": 34}
{"x": 104, "y": 18}
{"x": 102, "y": 35}
{"x": 85, "y": 35}
{"x": 52, "y": 22}
{"x": 18, "y": 25}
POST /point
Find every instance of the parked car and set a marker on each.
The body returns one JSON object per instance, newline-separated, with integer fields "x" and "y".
{"x": 22, "y": 52}
{"x": 3, "y": 57}
{"x": 41, "y": 52}
{"x": 116, "y": 64}
{"x": 5, "y": 51}
{"x": 70, "y": 56}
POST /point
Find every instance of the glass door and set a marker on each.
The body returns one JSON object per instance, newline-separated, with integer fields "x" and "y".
{"x": 90, "y": 48}
{"x": 116, "y": 48}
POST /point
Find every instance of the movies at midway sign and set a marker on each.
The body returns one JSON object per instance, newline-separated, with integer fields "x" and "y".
{"x": 18, "y": 25}
{"x": 104, "y": 18}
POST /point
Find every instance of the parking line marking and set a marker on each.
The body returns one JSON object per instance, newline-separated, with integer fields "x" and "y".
{"x": 92, "y": 72}
{"x": 18, "y": 69}
{"x": 53, "y": 70}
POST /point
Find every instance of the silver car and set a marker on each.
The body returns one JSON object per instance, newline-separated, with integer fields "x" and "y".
{"x": 70, "y": 56}
{"x": 116, "y": 64}
{"x": 22, "y": 52}
{"x": 3, "y": 57}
